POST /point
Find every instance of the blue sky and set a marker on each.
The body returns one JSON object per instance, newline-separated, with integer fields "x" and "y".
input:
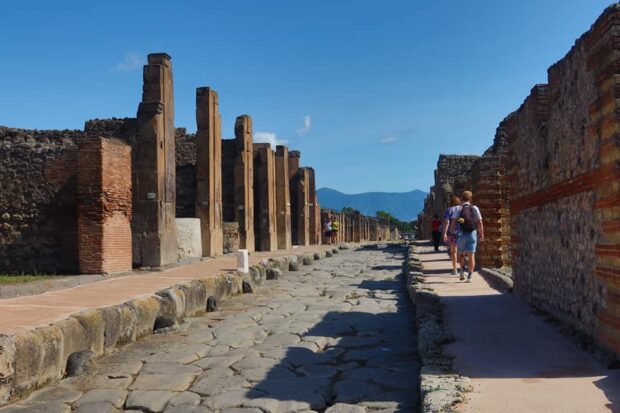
{"x": 371, "y": 92}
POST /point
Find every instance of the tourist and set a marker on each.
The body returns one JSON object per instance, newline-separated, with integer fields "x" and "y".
{"x": 334, "y": 231}
{"x": 470, "y": 231}
{"x": 436, "y": 232}
{"x": 450, "y": 229}
{"x": 328, "y": 231}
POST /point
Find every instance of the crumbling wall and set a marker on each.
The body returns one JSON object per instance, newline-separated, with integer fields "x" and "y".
{"x": 564, "y": 153}
{"x": 38, "y": 228}
{"x": 452, "y": 177}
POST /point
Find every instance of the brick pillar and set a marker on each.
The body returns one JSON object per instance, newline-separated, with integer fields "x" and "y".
{"x": 283, "y": 199}
{"x": 264, "y": 198}
{"x": 153, "y": 168}
{"x": 244, "y": 182}
{"x": 104, "y": 206}
{"x": 209, "y": 171}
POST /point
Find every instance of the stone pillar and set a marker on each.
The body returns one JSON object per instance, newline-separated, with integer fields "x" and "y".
{"x": 298, "y": 179}
{"x": 283, "y": 199}
{"x": 153, "y": 168}
{"x": 314, "y": 221}
{"x": 357, "y": 227}
{"x": 303, "y": 212}
{"x": 244, "y": 182}
{"x": 264, "y": 198}
{"x": 104, "y": 206}
{"x": 209, "y": 171}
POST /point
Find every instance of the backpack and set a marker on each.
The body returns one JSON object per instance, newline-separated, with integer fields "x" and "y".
{"x": 467, "y": 218}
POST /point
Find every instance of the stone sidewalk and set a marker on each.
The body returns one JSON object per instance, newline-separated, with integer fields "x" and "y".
{"x": 27, "y": 313}
{"x": 517, "y": 361}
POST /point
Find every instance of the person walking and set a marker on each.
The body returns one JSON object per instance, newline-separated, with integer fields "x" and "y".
{"x": 450, "y": 230}
{"x": 436, "y": 233}
{"x": 470, "y": 231}
{"x": 328, "y": 231}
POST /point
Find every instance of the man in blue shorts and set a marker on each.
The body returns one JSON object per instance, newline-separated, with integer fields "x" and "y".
{"x": 470, "y": 231}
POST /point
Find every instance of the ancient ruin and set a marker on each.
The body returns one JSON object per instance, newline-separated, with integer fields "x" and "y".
{"x": 153, "y": 168}
{"x": 547, "y": 189}
{"x": 265, "y": 232}
{"x": 283, "y": 198}
{"x": 208, "y": 171}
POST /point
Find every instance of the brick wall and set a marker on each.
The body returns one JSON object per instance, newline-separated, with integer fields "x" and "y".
{"x": 491, "y": 190}
{"x": 104, "y": 206}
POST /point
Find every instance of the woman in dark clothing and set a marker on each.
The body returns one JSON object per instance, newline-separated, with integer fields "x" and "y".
{"x": 436, "y": 226}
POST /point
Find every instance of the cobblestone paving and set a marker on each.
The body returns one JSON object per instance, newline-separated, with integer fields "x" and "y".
{"x": 336, "y": 337}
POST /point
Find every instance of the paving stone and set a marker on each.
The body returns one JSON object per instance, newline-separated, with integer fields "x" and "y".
{"x": 96, "y": 408}
{"x": 170, "y": 368}
{"x": 54, "y": 394}
{"x": 231, "y": 398}
{"x": 282, "y": 340}
{"x": 187, "y": 409}
{"x": 113, "y": 397}
{"x": 172, "y": 382}
{"x": 219, "y": 362}
{"x": 317, "y": 370}
{"x": 187, "y": 398}
{"x": 37, "y": 408}
{"x": 217, "y": 381}
{"x": 176, "y": 357}
{"x": 241, "y": 410}
{"x": 345, "y": 408}
{"x": 89, "y": 382}
{"x": 149, "y": 400}
{"x": 351, "y": 391}
{"x": 125, "y": 369}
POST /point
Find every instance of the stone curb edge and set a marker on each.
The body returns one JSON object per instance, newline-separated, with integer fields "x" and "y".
{"x": 32, "y": 359}
{"x": 440, "y": 387}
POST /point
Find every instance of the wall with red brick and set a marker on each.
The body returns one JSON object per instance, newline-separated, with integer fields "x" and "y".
{"x": 104, "y": 206}
{"x": 564, "y": 176}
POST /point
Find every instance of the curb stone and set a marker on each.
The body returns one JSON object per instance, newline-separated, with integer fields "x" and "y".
{"x": 32, "y": 359}
{"x": 441, "y": 388}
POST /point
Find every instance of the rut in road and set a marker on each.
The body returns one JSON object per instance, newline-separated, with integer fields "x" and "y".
{"x": 340, "y": 332}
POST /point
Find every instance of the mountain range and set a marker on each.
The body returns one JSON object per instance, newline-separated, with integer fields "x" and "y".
{"x": 405, "y": 206}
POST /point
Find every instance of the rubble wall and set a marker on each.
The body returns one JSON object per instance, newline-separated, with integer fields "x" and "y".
{"x": 38, "y": 201}
{"x": 564, "y": 151}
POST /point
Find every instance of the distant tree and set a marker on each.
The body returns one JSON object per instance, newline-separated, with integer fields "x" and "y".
{"x": 349, "y": 209}
{"x": 401, "y": 225}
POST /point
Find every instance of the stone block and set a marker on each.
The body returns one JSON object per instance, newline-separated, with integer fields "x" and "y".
{"x": 38, "y": 359}
{"x": 120, "y": 323}
{"x": 189, "y": 244}
{"x": 7, "y": 366}
{"x": 146, "y": 310}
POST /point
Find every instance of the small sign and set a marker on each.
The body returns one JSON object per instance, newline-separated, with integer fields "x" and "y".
{"x": 151, "y": 195}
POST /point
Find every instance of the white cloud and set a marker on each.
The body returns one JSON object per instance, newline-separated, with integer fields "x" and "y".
{"x": 270, "y": 138}
{"x": 131, "y": 61}
{"x": 389, "y": 140}
{"x": 306, "y": 127}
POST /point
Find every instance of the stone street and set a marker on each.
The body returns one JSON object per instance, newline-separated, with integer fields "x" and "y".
{"x": 337, "y": 336}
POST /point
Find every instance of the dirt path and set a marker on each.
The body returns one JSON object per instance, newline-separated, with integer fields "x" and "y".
{"x": 518, "y": 362}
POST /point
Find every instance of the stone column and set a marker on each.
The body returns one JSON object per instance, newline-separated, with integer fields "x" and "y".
{"x": 244, "y": 182}
{"x": 153, "y": 168}
{"x": 264, "y": 198}
{"x": 283, "y": 199}
{"x": 209, "y": 171}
